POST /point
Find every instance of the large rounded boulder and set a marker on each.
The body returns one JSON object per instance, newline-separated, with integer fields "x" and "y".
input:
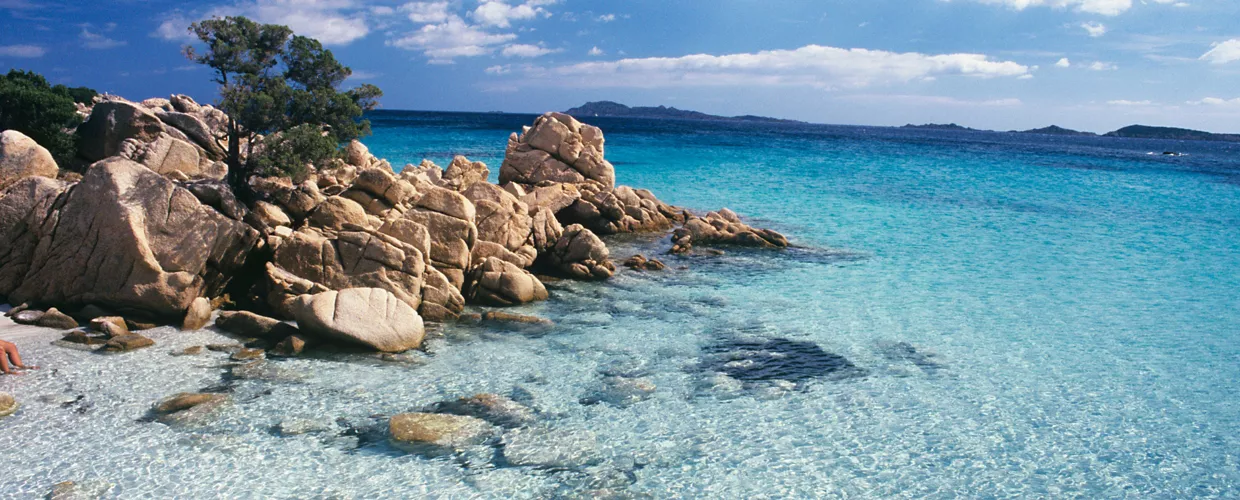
{"x": 21, "y": 157}
{"x": 369, "y": 317}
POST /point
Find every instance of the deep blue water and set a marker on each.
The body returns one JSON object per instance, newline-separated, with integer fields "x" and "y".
{"x": 976, "y": 315}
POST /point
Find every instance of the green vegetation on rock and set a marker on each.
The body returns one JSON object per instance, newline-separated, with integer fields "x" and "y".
{"x": 45, "y": 113}
{"x": 273, "y": 81}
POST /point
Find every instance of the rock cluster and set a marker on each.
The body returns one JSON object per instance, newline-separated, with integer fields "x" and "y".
{"x": 354, "y": 251}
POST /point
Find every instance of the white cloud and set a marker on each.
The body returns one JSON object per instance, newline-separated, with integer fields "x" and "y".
{"x": 23, "y": 50}
{"x": 450, "y": 39}
{"x": 174, "y": 29}
{"x": 1223, "y": 52}
{"x": 499, "y": 14}
{"x": 1103, "y": 7}
{"x": 97, "y": 41}
{"x": 596, "y": 51}
{"x": 333, "y": 22}
{"x": 426, "y": 12}
{"x": 809, "y": 66}
{"x": 1094, "y": 29}
{"x": 1102, "y": 66}
{"x": 606, "y": 18}
{"x": 499, "y": 70}
{"x": 1125, "y": 102}
{"x": 1063, "y": 63}
{"x": 1215, "y": 101}
{"x": 526, "y": 50}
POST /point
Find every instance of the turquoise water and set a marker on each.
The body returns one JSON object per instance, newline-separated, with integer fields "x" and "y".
{"x": 1025, "y": 316}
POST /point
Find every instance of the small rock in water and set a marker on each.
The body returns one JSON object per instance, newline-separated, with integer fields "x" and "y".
{"x": 16, "y": 309}
{"x": 299, "y": 426}
{"x": 248, "y": 324}
{"x": 247, "y": 354}
{"x": 435, "y": 433}
{"x": 225, "y": 348}
{"x": 198, "y": 314}
{"x": 111, "y": 326}
{"x": 80, "y": 337}
{"x": 775, "y": 359}
{"x": 138, "y": 324}
{"x": 53, "y": 318}
{"x": 27, "y": 317}
{"x": 125, "y": 343}
{"x": 641, "y": 263}
{"x": 493, "y": 408}
{"x": 291, "y": 346}
{"x": 86, "y": 490}
{"x": 190, "y": 351}
{"x": 8, "y": 404}
{"x": 546, "y": 447}
{"x": 622, "y": 391}
{"x": 512, "y": 318}
{"x": 188, "y": 408}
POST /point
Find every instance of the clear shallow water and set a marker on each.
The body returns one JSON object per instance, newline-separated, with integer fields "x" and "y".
{"x": 1071, "y": 305}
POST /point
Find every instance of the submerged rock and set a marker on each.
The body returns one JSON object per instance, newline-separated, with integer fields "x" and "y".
{"x": 8, "y": 404}
{"x": 437, "y": 433}
{"x": 905, "y": 352}
{"x": 188, "y": 408}
{"x": 247, "y": 354}
{"x": 125, "y": 343}
{"x": 622, "y": 391}
{"x": 548, "y": 447}
{"x": 774, "y": 360}
{"x": 291, "y": 346}
{"x": 493, "y": 408}
{"x": 85, "y": 490}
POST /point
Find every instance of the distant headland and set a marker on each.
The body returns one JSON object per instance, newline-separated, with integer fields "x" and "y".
{"x": 615, "y": 109}
{"x": 1131, "y": 132}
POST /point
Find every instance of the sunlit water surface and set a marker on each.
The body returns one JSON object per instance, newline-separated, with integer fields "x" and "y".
{"x": 1020, "y": 316}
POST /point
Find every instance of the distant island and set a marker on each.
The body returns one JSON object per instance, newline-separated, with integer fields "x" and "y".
{"x": 1055, "y": 130}
{"x": 1179, "y": 134}
{"x": 943, "y": 126}
{"x": 615, "y": 109}
{"x": 1131, "y": 132}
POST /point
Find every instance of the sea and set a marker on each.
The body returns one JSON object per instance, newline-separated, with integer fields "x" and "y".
{"x": 961, "y": 315}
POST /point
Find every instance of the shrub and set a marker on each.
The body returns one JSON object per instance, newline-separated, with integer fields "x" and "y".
{"x": 287, "y": 153}
{"x": 45, "y": 113}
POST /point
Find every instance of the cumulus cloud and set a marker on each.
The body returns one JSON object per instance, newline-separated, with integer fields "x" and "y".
{"x": 1103, "y": 7}
{"x": 1094, "y": 29}
{"x": 1223, "y": 52}
{"x": 426, "y": 12}
{"x": 1063, "y": 63}
{"x": 596, "y": 51}
{"x": 526, "y": 50}
{"x": 1102, "y": 66}
{"x": 97, "y": 41}
{"x": 22, "y": 50}
{"x": 809, "y": 66}
{"x": 606, "y": 18}
{"x": 333, "y": 22}
{"x": 452, "y": 38}
{"x": 499, "y": 70}
{"x": 499, "y": 14}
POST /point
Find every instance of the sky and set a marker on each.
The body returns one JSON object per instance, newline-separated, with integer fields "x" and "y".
{"x": 1092, "y": 65}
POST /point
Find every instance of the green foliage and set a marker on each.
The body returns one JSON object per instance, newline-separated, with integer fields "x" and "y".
{"x": 287, "y": 153}
{"x": 272, "y": 81}
{"x": 45, "y": 113}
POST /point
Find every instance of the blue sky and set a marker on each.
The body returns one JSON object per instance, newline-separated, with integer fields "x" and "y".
{"x": 1002, "y": 64}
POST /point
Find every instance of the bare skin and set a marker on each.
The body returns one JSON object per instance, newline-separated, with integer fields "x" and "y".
{"x": 10, "y": 360}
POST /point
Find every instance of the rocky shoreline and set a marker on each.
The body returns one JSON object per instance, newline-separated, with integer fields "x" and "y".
{"x": 354, "y": 254}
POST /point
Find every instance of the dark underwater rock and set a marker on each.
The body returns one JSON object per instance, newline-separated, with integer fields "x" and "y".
{"x": 751, "y": 360}
{"x": 905, "y": 352}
